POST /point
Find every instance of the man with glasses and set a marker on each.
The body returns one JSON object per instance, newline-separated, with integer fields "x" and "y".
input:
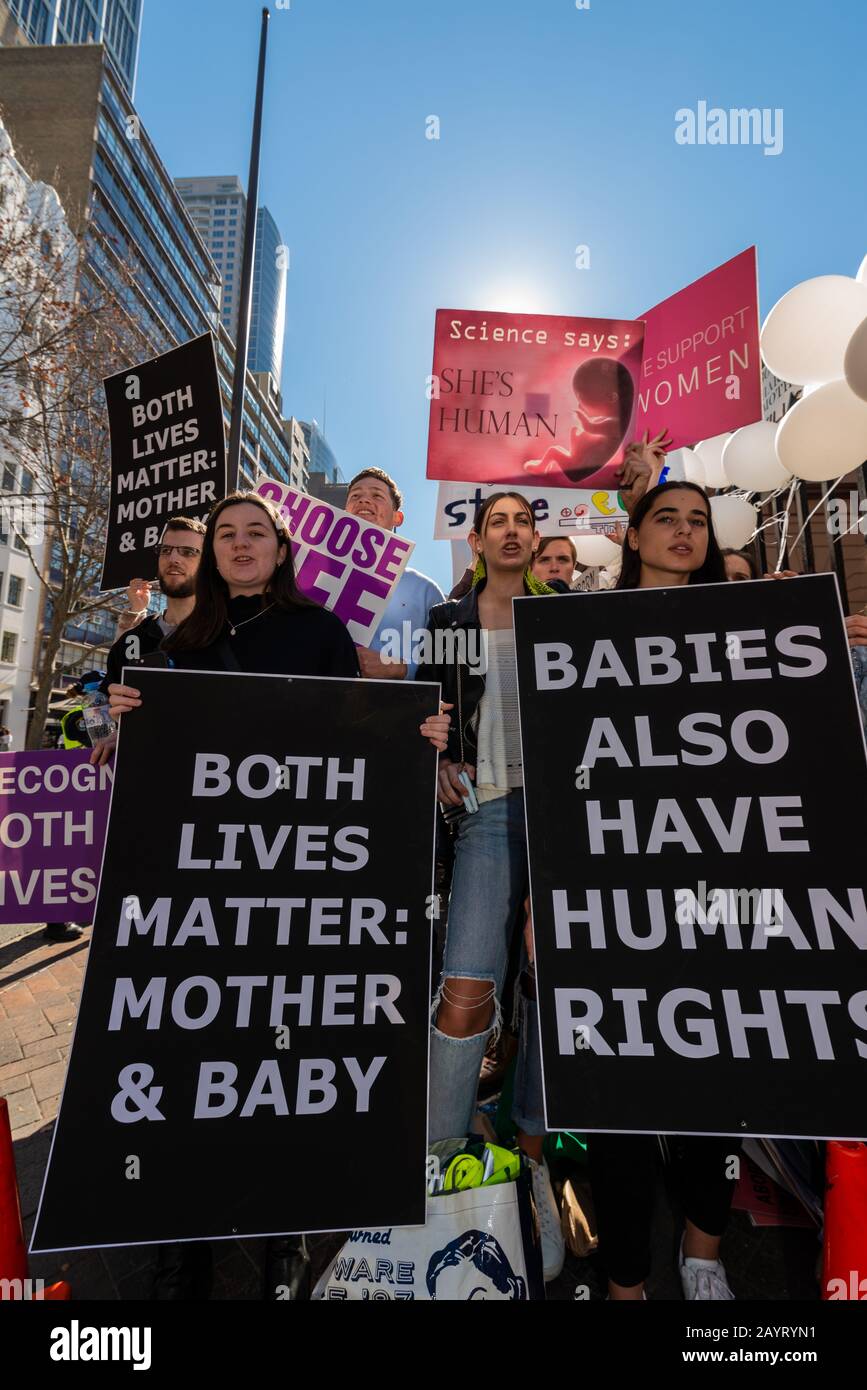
{"x": 177, "y": 580}
{"x": 178, "y": 555}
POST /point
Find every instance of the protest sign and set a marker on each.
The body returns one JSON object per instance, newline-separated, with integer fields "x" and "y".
{"x": 701, "y": 374}
{"x": 518, "y": 397}
{"x": 53, "y": 814}
{"x": 251, "y": 1048}
{"x": 558, "y": 511}
{"x": 168, "y": 453}
{"x": 341, "y": 561}
{"x": 695, "y": 844}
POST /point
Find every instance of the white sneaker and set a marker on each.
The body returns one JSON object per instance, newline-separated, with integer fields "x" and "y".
{"x": 703, "y": 1280}
{"x": 553, "y": 1244}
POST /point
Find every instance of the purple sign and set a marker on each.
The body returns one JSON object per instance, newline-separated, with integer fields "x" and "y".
{"x": 53, "y": 817}
{"x": 342, "y": 562}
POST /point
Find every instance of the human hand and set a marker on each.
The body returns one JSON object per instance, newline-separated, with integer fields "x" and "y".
{"x": 642, "y": 464}
{"x": 782, "y": 574}
{"x": 436, "y": 728}
{"x": 122, "y": 698}
{"x": 138, "y": 594}
{"x": 856, "y": 630}
{"x": 451, "y": 790}
{"x": 103, "y": 751}
{"x": 375, "y": 667}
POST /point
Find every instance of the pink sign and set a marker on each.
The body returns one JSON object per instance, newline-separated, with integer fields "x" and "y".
{"x": 340, "y": 561}
{"x": 528, "y": 399}
{"x": 701, "y": 375}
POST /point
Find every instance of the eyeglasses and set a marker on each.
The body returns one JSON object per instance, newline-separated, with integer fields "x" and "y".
{"x": 186, "y": 551}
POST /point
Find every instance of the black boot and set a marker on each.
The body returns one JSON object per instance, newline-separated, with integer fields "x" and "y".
{"x": 184, "y": 1271}
{"x": 287, "y": 1271}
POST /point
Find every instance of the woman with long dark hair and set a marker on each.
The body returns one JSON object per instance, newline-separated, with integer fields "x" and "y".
{"x": 249, "y": 616}
{"x": 482, "y": 768}
{"x": 670, "y": 541}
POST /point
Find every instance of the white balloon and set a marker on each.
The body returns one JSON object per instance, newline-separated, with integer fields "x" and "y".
{"x": 824, "y": 435}
{"x": 804, "y": 337}
{"x": 734, "y": 521}
{"x": 750, "y": 460}
{"x": 596, "y": 550}
{"x": 861, "y": 277}
{"x": 855, "y": 364}
{"x": 684, "y": 464}
{"x": 710, "y": 451}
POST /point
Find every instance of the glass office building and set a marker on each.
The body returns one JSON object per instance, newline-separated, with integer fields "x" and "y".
{"x": 322, "y": 458}
{"x": 268, "y": 313}
{"x": 120, "y": 197}
{"x": 115, "y": 23}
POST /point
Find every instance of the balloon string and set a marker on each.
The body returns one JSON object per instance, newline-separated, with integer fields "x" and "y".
{"x": 821, "y": 502}
{"x": 785, "y": 528}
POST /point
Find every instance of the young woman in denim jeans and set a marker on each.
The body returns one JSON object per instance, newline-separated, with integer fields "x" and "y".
{"x": 477, "y": 670}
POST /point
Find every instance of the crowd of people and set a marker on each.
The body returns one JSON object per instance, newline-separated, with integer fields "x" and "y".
{"x": 232, "y": 604}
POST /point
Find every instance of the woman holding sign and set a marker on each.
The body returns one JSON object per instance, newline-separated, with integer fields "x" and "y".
{"x": 482, "y": 775}
{"x": 670, "y": 542}
{"x": 249, "y": 616}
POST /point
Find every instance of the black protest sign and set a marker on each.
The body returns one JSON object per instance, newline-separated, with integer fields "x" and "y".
{"x": 695, "y": 781}
{"x": 168, "y": 453}
{"x": 251, "y": 1049}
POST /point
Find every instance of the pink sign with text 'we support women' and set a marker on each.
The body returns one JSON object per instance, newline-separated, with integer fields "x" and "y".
{"x": 342, "y": 562}
{"x": 701, "y": 374}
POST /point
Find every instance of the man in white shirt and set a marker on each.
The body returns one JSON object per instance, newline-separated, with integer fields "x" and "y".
{"x": 375, "y": 497}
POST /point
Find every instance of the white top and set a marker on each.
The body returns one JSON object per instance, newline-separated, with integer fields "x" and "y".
{"x": 498, "y": 765}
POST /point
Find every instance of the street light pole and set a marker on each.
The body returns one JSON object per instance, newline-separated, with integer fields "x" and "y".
{"x": 243, "y": 340}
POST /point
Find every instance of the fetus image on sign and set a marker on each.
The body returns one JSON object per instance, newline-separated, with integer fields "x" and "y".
{"x": 605, "y": 395}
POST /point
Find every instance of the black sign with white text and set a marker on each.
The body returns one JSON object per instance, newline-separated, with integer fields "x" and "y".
{"x": 695, "y": 778}
{"x": 250, "y": 1056}
{"x": 168, "y": 453}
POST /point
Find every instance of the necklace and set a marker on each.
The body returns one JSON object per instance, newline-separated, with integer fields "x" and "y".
{"x": 260, "y": 614}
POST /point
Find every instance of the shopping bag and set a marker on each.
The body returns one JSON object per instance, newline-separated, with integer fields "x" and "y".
{"x": 478, "y": 1243}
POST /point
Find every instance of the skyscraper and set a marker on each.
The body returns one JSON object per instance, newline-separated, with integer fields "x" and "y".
{"x": 218, "y": 208}
{"x": 268, "y": 314}
{"x": 115, "y": 23}
{"x": 322, "y": 457}
{"x": 66, "y": 107}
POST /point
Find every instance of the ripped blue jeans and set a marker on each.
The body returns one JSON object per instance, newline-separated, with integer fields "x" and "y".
{"x": 489, "y": 884}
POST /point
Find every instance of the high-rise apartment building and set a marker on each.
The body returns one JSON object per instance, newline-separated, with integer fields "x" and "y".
{"x": 114, "y": 23}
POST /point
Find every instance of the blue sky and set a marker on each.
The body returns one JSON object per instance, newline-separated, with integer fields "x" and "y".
{"x": 556, "y": 129}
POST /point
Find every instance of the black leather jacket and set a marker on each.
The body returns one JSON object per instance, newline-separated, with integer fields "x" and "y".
{"x": 461, "y": 685}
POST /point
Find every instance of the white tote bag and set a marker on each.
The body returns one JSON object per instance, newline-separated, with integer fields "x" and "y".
{"x": 481, "y": 1243}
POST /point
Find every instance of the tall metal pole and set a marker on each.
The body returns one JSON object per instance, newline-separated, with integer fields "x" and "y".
{"x": 243, "y": 341}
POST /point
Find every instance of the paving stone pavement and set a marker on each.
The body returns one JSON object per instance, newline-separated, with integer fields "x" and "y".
{"x": 40, "y": 984}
